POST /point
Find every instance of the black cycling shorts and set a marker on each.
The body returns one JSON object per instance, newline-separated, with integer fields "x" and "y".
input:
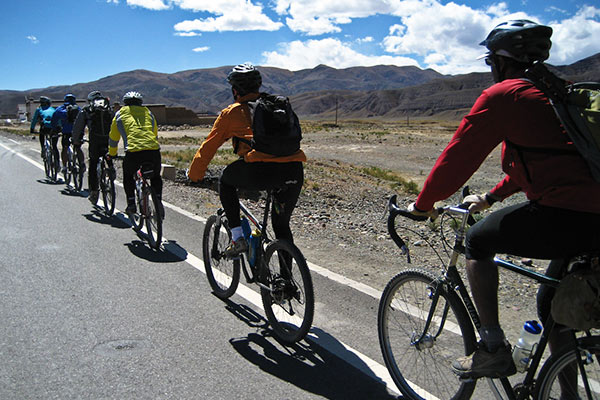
{"x": 533, "y": 230}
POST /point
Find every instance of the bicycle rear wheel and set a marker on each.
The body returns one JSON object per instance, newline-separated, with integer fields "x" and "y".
{"x": 223, "y": 273}
{"x": 560, "y": 377}
{"x": 108, "y": 192}
{"x": 420, "y": 362}
{"x": 78, "y": 168}
{"x": 289, "y": 298}
{"x": 153, "y": 219}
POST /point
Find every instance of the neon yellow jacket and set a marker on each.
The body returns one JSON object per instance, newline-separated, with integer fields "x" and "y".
{"x": 137, "y": 126}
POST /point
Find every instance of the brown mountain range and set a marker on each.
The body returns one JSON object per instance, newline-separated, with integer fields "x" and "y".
{"x": 360, "y": 92}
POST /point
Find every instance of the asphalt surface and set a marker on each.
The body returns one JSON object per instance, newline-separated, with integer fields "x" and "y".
{"x": 89, "y": 311}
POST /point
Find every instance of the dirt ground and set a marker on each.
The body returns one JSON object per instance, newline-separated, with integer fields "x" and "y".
{"x": 339, "y": 222}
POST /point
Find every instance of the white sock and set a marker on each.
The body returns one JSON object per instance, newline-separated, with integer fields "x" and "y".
{"x": 236, "y": 233}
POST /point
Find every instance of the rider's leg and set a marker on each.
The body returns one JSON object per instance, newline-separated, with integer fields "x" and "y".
{"x": 65, "y": 143}
{"x": 130, "y": 166}
{"x": 292, "y": 175}
{"x": 54, "y": 142}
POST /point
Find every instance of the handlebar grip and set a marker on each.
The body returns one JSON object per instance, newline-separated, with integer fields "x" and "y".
{"x": 395, "y": 210}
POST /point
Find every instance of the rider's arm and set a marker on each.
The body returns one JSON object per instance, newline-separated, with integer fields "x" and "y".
{"x": 113, "y": 137}
{"x": 474, "y": 139}
{"x": 78, "y": 128}
{"x": 224, "y": 128}
{"x": 34, "y": 120}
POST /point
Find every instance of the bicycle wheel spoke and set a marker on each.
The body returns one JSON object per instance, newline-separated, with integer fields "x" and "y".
{"x": 418, "y": 361}
{"x": 223, "y": 274}
{"x": 289, "y": 299}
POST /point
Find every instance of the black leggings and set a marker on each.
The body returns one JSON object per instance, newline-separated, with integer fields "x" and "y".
{"x": 263, "y": 176}
{"x": 132, "y": 162}
{"x": 44, "y": 131}
{"x": 536, "y": 231}
{"x": 533, "y": 230}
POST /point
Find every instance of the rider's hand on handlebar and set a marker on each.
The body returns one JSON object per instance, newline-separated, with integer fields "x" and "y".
{"x": 477, "y": 202}
{"x": 432, "y": 214}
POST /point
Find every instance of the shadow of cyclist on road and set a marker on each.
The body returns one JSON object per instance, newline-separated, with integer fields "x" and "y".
{"x": 170, "y": 253}
{"x": 98, "y": 216}
{"x": 310, "y": 367}
{"x": 306, "y": 364}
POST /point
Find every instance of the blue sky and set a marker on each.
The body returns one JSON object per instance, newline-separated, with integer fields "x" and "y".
{"x": 62, "y": 42}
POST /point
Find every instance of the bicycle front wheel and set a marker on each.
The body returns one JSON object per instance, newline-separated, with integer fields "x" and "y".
{"x": 288, "y": 297}
{"x": 108, "y": 192}
{"x": 223, "y": 273}
{"x": 420, "y": 361}
{"x": 153, "y": 219}
{"x": 562, "y": 378}
{"x": 54, "y": 166}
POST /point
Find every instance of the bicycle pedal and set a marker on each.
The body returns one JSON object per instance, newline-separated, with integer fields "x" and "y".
{"x": 466, "y": 379}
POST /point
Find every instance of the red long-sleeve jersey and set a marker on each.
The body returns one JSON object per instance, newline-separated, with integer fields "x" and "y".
{"x": 537, "y": 155}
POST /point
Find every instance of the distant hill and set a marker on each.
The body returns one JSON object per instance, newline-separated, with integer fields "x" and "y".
{"x": 383, "y": 91}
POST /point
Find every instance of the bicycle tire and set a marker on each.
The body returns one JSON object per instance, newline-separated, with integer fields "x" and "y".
{"x": 53, "y": 166}
{"x": 108, "y": 192}
{"x": 564, "y": 361}
{"x": 288, "y": 301}
{"x": 77, "y": 174}
{"x": 223, "y": 273}
{"x": 153, "y": 219}
{"x": 69, "y": 167}
{"x": 403, "y": 310}
{"x": 137, "y": 218}
{"x": 47, "y": 161}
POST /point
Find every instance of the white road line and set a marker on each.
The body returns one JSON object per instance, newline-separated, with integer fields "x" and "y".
{"x": 347, "y": 353}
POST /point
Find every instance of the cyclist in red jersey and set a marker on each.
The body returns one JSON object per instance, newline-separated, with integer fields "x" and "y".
{"x": 539, "y": 159}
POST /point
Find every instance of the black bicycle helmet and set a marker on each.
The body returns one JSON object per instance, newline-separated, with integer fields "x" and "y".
{"x": 70, "y": 98}
{"x": 45, "y": 101}
{"x": 94, "y": 95}
{"x": 133, "y": 98}
{"x": 245, "y": 78}
{"x": 520, "y": 39}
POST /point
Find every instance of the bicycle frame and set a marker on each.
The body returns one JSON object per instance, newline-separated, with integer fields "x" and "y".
{"x": 452, "y": 281}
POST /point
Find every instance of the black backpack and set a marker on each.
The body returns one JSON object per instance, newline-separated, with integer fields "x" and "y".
{"x": 99, "y": 117}
{"x": 275, "y": 126}
{"x": 577, "y": 106}
{"x": 72, "y": 111}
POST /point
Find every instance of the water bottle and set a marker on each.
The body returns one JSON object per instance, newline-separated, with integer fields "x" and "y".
{"x": 246, "y": 228}
{"x": 530, "y": 336}
{"x": 253, "y": 246}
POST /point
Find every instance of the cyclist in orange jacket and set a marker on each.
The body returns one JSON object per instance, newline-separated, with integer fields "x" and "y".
{"x": 254, "y": 170}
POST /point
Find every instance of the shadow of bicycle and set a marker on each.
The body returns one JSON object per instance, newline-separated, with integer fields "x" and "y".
{"x": 98, "y": 216}
{"x": 169, "y": 252}
{"x": 307, "y": 365}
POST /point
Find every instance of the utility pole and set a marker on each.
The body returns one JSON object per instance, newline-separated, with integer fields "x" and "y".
{"x": 336, "y": 110}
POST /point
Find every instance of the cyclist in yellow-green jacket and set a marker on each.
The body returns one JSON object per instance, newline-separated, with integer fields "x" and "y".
{"x": 136, "y": 125}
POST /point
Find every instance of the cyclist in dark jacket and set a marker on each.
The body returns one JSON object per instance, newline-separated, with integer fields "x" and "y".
{"x": 538, "y": 159}
{"x": 97, "y": 116}
{"x": 62, "y": 121}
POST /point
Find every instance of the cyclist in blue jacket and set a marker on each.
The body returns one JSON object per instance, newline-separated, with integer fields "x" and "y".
{"x": 62, "y": 121}
{"x": 43, "y": 115}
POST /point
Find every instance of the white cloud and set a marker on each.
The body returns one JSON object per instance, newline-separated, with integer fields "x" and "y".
{"x": 231, "y": 15}
{"x": 113, "y": 1}
{"x": 576, "y": 37}
{"x": 149, "y": 4}
{"x": 33, "y": 39}
{"x": 201, "y": 49}
{"x": 188, "y": 34}
{"x": 301, "y": 55}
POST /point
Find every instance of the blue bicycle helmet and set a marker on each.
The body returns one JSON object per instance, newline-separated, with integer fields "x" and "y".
{"x": 70, "y": 98}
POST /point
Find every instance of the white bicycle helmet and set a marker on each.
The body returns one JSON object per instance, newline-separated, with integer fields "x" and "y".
{"x": 133, "y": 98}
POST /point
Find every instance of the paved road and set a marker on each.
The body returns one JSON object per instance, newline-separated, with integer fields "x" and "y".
{"x": 88, "y": 311}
